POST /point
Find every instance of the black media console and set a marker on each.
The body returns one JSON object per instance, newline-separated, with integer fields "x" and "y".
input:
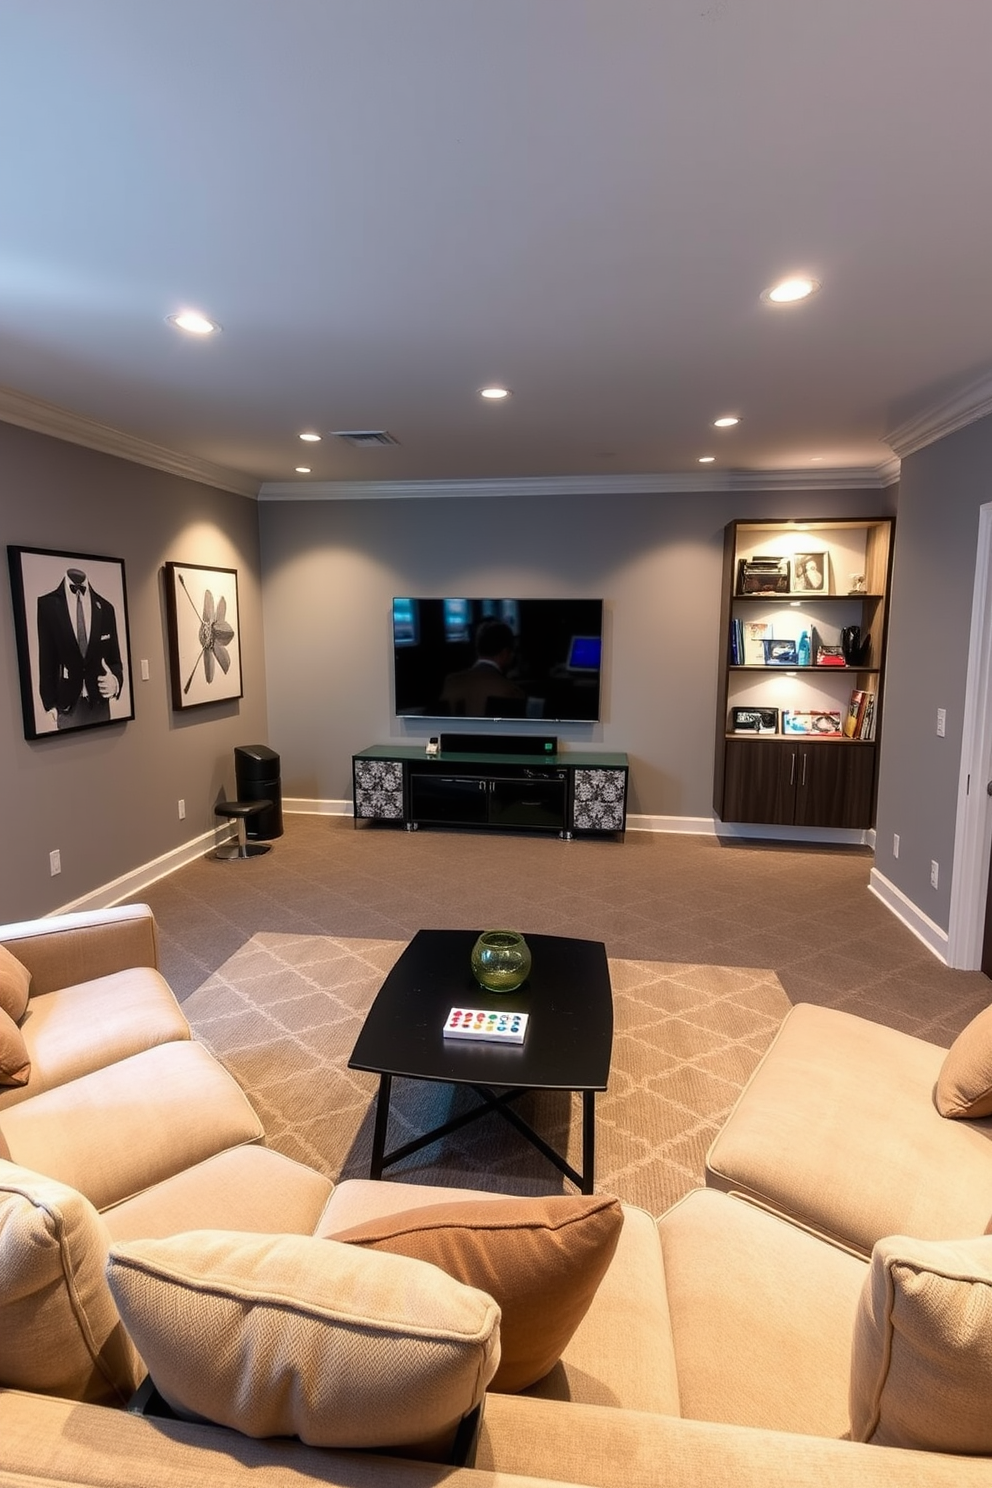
{"x": 573, "y": 794}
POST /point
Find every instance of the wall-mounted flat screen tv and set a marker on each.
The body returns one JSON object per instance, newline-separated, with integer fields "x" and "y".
{"x": 498, "y": 658}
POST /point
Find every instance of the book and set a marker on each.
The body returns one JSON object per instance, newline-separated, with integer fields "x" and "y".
{"x": 755, "y": 633}
{"x": 860, "y": 715}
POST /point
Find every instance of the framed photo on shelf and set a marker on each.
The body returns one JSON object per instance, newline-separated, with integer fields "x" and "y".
{"x": 811, "y": 573}
{"x": 754, "y": 720}
{"x": 825, "y": 722}
{"x": 204, "y": 635}
{"x": 73, "y": 646}
{"x": 780, "y": 653}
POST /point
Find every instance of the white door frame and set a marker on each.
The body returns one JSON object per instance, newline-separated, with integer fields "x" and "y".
{"x": 973, "y": 824}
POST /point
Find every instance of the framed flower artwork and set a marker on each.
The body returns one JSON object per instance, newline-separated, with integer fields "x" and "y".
{"x": 204, "y": 634}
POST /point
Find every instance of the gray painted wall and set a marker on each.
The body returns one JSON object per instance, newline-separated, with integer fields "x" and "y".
{"x": 330, "y": 570}
{"x": 107, "y": 797}
{"x": 941, "y": 490}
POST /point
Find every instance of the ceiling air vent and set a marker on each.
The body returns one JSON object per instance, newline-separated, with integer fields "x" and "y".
{"x": 364, "y": 438}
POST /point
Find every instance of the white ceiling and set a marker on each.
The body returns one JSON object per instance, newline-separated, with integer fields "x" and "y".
{"x": 389, "y": 203}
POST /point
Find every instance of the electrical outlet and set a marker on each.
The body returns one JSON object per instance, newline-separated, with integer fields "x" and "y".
{"x": 941, "y": 722}
{"x": 182, "y": 810}
{"x": 895, "y": 844}
{"x": 55, "y": 861}
{"x": 933, "y": 872}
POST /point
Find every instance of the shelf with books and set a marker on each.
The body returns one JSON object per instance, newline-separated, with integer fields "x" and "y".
{"x": 804, "y": 615}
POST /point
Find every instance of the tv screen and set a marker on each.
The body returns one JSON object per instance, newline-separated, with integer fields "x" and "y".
{"x": 498, "y": 658}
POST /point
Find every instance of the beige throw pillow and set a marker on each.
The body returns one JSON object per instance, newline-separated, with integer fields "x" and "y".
{"x": 15, "y": 985}
{"x": 60, "y": 1331}
{"x": 286, "y": 1335}
{"x": 921, "y": 1370}
{"x": 541, "y": 1259}
{"x": 964, "y": 1085}
{"x": 15, "y": 1062}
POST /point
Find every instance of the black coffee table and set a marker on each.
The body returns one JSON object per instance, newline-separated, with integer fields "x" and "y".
{"x": 568, "y": 1044}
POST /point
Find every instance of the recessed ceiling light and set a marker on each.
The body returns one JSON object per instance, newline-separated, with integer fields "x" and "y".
{"x": 726, "y": 422}
{"x": 193, "y": 322}
{"x": 494, "y": 392}
{"x": 310, "y": 437}
{"x": 706, "y": 459}
{"x": 788, "y": 291}
{"x": 303, "y": 469}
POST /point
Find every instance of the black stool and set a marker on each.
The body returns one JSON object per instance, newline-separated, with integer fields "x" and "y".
{"x": 240, "y": 811}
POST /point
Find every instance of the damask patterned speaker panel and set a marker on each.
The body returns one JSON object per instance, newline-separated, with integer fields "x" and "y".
{"x": 379, "y": 790}
{"x": 599, "y": 800}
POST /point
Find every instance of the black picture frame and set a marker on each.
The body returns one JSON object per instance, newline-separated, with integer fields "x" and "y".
{"x": 65, "y": 688}
{"x": 204, "y": 634}
{"x": 754, "y": 720}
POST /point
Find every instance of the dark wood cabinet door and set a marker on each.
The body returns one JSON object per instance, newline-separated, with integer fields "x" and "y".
{"x": 760, "y": 781}
{"x": 834, "y": 785}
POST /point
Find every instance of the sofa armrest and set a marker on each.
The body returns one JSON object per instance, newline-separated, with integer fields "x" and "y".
{"x": 607, "y": 1448}
{"x": 62, "y": 950}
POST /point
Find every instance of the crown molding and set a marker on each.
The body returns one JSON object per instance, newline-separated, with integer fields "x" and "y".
{"x": 28, "y": 412}
{"x": 47, "y": 418}
{"x": 969, "y": 403}
{"x": 850, "y": 478}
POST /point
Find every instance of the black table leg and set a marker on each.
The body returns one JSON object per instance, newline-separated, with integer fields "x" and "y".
{"x": 381, "y": 1121}
{"x": 588, "y": 1141}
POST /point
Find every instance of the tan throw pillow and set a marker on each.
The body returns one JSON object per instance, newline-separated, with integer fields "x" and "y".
{"x": 15, "y": 1062}
{"x": 964, "y": 1085}
{"x": 286, "y": 1335}
{"x": 60, "y": 1329}
{"x": 542, "y": 1260}
{"x": 921, "y": 1366}
{"x": 15, "y": 985}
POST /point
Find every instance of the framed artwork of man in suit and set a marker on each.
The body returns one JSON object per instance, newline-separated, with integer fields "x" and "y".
{"x": 73, "y": 647}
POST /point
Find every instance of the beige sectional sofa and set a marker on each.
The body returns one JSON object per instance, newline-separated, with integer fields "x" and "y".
{"x": 717, "y": 1349}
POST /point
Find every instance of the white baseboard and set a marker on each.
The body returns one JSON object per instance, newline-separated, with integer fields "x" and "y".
{"x": 302, "y": 806}
{"x": 709, "y": 826}
{"x": 932, "y": 936}
{"x": 132, "y": 883}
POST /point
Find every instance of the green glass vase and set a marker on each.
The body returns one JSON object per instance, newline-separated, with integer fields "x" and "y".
{"x": 501, "y": 960}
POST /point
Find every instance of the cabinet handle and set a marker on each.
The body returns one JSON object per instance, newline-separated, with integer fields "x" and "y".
{"x": 792, "y": 769}
{"x": 805, "y": 762}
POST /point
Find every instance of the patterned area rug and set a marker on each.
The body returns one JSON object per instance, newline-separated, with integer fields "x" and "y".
{"x": 284, "y": 1011}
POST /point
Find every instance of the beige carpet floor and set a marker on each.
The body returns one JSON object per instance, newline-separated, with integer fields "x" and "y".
{"x": 284, "y": 1010}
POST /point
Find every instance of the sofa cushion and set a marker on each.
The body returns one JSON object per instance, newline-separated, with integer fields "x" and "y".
{"x": 837, "y": 1095}
{"x": 762, "y": 1314}
{"x": 92, "y": 1024}
{"x": 921, "y": 1367}
{"x": 60, "y": 1329}
{"x": 117, "y": 1131}
{"x": 964, "y": 1085}
{"x": 541, "y": 1259}
{"x": 286, "y": 1335}
{"x": 242, "y": 1188}
{"x": 15, "y": 985}
{"x": 15, "y": 1061}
